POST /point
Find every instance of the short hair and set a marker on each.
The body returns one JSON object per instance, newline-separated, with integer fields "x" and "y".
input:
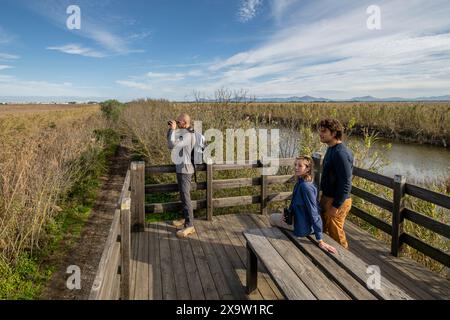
{"x": 333, "y": 125}
{"x": 309, "y": 176}
{"x": 186, "y": 117}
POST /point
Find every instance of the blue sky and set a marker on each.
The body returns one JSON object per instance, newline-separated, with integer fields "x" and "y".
{"x": 269, "y": 48}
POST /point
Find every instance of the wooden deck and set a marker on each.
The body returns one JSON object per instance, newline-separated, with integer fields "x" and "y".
{"x": 211, "y": 264}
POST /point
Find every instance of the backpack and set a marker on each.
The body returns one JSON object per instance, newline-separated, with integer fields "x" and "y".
{"x": 197, "y": 151}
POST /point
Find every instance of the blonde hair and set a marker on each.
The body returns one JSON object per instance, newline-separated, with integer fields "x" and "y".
{"x": 308, "y": 176}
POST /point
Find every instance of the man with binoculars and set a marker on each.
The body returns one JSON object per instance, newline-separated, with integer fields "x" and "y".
{"x": 181, "y": 141}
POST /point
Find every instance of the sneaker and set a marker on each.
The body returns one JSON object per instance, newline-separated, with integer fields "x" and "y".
{"x": 178, "y": 223}
{"x": 183, "y": 233}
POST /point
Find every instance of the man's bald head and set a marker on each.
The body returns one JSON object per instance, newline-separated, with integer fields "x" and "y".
{"x": 184, "y": 120}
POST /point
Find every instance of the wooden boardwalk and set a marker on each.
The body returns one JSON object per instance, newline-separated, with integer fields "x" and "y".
{"x": 211, "y": 264}
{"x": 214, "y": 258}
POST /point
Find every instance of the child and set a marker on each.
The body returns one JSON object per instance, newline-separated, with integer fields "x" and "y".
{"x": 304, "y": 205}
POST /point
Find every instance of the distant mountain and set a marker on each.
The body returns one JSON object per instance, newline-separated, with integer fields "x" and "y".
{"x": 361, "y": 99}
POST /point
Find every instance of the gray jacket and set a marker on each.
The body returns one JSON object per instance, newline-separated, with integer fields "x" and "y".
{"x": 181, "y": 142}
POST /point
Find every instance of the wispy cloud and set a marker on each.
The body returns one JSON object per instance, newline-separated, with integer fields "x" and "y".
{"x": 135, "y": 85}
{"x": 100, "y": 30}
{"x": 248, "y": 9}
{"x": 6, "y": 56}
{"x": 78, "y": 50}
{"x": 4, "y": 67}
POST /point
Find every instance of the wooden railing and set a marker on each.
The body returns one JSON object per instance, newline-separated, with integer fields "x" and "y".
{"x": 396, "y": 206}
{"x": 112, "y": 281}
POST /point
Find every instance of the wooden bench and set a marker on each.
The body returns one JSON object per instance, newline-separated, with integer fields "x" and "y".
{"x": 303, "y": 271}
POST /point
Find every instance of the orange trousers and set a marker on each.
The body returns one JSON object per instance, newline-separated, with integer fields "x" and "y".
{"x": 333, "y": 225}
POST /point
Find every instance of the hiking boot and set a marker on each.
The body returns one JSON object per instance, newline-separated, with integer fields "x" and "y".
{"x": 183, "y": 233}
{"x": 178, "y": 223}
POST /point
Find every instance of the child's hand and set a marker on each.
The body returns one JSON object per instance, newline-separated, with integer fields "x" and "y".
{"x": 327, "y": 247}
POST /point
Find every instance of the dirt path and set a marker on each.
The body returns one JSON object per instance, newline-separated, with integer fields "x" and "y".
{"x": 88, "y": 249}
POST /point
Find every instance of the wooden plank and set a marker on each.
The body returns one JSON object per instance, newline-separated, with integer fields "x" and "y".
{"x": 192, "y": 272}
{"x": 397, "y": 214}
{"x": 264, "y": 196}
{"x": 134, "y": 259}
{"x": 252, "y": 271}
{"x": 376, "y": 222}
{"x": 168, "y": 169}
{"x": 154, "y": 267}
{"x": 427, "y": 222}
{"x": 359, "y": 269}
{"x": 235, "y": 201}
{"x": 223, "y": 167}
{"x": 286, "y": 279}
{"x": 105, "y": 258}
{"x": 206, "y": 277}
{"x": 142, "y": 276}
{"x": 111, "y": 272}
{"x": 374, "y": 199}
{"x": 209, "y": 190}
{"x": 374, "y": 177}
{"x": 137, "y": 195}
{"x": 125, "y": 246}
{"x": 172, "y": 187}
{"x": 228, "y": 248}
{"x": 179, "y": 271}
{"x": 236, "y": 183}
{"x": 236, "y": 225}
{"x": 426, "y": 249}
{"x": 232, "y": 278}
{"x": 168, "y": 282}
{"x": 332, "y": 270}
{"x": 125, "y": 188}
{"x": 428, "y": 195}
{"x": 322, "y": 287}
{"x": 172, "y": 206}
{"x": 415, "y": 279}
{"x": 220, "y": 282}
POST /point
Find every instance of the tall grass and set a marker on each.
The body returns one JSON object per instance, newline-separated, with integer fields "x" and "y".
{"x": 45, "y": 159}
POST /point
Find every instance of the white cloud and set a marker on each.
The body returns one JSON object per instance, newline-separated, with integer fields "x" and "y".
{"x": 6, "y": 56}
{"x": 135, "y": 85}
{"x": 4, "y": 67}
{"x": 93, "y": 27}
{"x": 248, "y": 9}
{"x": 78, "y": 50}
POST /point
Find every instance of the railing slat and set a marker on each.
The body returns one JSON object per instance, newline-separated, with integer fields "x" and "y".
{"x": 374, "y": 177}
{"x": 426, "y": 249}
{"x": 427, "y": 222}
{"x": 428, "y": 195}
{"x": 374, "y": 199}
{"x": 378, "y": 223}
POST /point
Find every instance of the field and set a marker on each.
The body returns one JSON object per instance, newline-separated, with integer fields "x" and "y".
{"x": 51, "y": 157}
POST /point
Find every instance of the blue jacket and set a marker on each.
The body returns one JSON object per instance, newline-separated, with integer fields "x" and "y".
{"x": 305, "y": 209}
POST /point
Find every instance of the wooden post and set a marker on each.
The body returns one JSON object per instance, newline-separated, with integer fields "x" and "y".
{"x": 252, "y": 270}
{"x": 138, "y": 195}
{"x": 125, "y": 248}
{"x": 264, "y": 188}
{"x": 209, "y": 189}
{"x": 317, "y": 158}
{"x": 397, "y": 214}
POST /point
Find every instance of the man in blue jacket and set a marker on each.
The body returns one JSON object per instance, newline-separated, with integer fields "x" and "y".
{"x": 336, "y": 182}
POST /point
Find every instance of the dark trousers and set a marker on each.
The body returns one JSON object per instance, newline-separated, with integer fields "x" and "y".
{"x": 184, "y": 185}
